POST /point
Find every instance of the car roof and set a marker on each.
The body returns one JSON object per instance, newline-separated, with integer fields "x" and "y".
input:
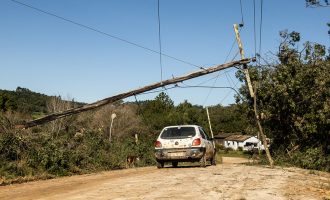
{"x": 196, "y": 126}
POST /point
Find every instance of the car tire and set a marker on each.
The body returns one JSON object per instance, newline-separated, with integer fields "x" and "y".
{"x": 160, "y": 164}
{"x": 175, "y": 164}
{"x": 202, "y": 161}
{"x": 214, "y": 159}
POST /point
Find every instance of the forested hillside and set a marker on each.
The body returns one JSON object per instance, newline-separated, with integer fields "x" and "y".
{"x": 81, "y": 143}
{"x": 33, "y": 104}
{"x": 23, "y": 100}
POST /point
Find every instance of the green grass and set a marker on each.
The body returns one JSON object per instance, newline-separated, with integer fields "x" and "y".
{"x": 239, "y": 154}
{"x": 36, "y": 115}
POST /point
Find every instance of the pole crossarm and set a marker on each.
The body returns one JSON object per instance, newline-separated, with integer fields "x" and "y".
{"x": 115, "y": 98}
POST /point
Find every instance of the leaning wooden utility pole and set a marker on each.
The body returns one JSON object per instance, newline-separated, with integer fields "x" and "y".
{"x": 115, "y": 98}
{"x": 253, "y": 96}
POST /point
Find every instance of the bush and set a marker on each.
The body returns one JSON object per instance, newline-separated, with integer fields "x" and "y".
{"x": 30, "y": 154}
{"x": 311, "y": 158}
{"x": 219, "y": 146}
{"x": 227, "y": 149}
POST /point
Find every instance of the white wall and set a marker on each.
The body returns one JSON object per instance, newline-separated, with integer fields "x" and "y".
{"x": 252, "y": 140}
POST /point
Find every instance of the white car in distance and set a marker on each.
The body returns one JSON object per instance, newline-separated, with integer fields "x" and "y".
{"x": 184, "y": 143}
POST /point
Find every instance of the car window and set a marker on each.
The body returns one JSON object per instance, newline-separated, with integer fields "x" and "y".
{"x": 204, "y": 135}
{"x": 178, "y": 132}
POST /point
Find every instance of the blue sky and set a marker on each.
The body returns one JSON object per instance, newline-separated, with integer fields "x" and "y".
{"x": 54, "y": 57}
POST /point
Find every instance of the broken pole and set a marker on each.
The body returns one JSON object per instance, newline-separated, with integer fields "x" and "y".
{"x": 115, "y": 98}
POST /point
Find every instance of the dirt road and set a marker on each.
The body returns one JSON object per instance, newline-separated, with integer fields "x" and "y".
{"x": 230, "y": 180}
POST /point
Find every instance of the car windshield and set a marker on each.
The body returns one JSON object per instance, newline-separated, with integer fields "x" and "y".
{"x": 178, "y": 132}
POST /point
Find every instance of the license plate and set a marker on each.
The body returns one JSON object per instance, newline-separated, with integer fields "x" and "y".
{"x": 177, "y": 154}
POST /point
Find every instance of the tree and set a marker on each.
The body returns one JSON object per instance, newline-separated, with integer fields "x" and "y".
{"x": 6, "y": 103}
{"x": 57, "y": 104}
{"x": 294, "y": 97}
{"x": 317, "y": 3}
{"x": 159, "y": 112}
{"x": 228, "y": 119}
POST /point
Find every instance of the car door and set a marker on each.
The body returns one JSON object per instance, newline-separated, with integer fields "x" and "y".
{"x": 208, "y": 143}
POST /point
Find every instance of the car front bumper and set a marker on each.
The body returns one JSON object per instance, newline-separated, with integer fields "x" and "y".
{"x": 180, "y": 154}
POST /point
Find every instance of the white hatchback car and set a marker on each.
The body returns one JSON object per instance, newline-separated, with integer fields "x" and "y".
{"x": 184, "y": 143}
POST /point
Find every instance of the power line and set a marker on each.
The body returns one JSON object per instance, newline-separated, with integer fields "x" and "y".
{"x": 230, "y": 83}
{"x": 214, "y": 87}
{"x": 216, "y": 76}
{"x": 104, "y": 33}
{"x": 160, "y": 46}
{"x": 240, "y": 2}
{"x": 230, "y": 93}
{"x": 265, "y": 61}
{"x": 215, "y": 81}
{"x": 158, "y": 91}
{"x": 254, "y": 27}
{"x": 231, "y": 48}
{"x": 260, "y": 28}
{"x": 191, "y": 86}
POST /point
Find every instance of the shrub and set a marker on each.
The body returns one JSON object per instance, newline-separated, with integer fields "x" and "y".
{"x": 219, "y": 146}
{"x": 227, "y": 149}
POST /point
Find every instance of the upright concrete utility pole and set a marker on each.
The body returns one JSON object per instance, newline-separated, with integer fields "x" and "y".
{"x": 253, "y": 96}
{"x": 208, "y": 118}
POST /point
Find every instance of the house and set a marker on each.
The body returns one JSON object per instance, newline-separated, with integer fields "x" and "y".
{"x": 220, "y": 138}
{"x": 246, "y": 142}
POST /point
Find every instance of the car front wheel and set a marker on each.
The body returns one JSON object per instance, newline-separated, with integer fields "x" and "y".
{"x": 175, "y": 164}
{"x": 202, "y": 161}
{"x": 213, "y": 159}
{"x": 160, "y": 164}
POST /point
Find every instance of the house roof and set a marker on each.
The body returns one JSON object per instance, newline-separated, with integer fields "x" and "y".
{"x": 238, "y": 138}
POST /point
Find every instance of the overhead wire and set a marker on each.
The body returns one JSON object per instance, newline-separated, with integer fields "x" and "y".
{"x": 229, "y": 93}
{"x": 158, "y": 91}
{"x": 138, "y": 45}
{"x": 254, "y": 28}
{"x": 216, "y": 79}
{"x": 160, "y": 45}
{"x": 189, "y": 86}
{"x": 104, "y": 33}
{"x": 214, "y": 87}
{"x": 240, "y": 2}
{"x": 260, "y": 29}
{"x": 219, "y": 74}
{"x": 265, "y": 61}
{"x": 241, "y": 25}
{"x": 228, "y": 80}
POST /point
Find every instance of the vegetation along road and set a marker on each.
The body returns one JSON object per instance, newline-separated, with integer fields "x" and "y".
{"x": 231, "y": 180}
